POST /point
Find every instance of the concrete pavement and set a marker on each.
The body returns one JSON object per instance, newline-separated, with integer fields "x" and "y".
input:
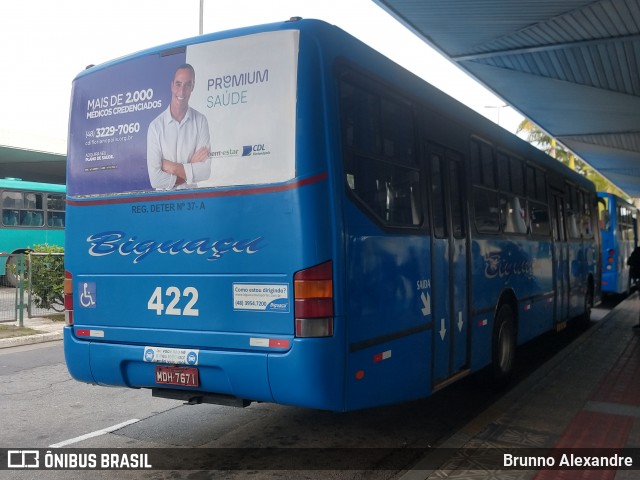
{"x": 584, "y": 401}
{"x": 48, "y": 331}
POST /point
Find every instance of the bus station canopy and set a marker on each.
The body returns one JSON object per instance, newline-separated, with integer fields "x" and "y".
{"x": 32, "y": 165}
{"x": 572, "y": 67}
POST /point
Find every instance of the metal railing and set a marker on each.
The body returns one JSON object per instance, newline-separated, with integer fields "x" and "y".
{"x": 32, "y": 286}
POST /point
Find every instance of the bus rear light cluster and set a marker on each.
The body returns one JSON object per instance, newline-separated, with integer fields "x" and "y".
{"x": 68, "y": 298}
{"x": 313, "y": 295}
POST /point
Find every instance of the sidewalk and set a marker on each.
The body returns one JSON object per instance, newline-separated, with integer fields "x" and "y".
{"x": 48, "y": 331}
{"x": 585, "y": 397}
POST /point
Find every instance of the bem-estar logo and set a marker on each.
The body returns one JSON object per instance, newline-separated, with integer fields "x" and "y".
{"x": 225, "y": 152}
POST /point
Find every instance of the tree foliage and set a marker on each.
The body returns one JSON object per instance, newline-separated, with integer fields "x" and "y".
{"x": 550, "y": 146}
{"x": 47, "y": 277}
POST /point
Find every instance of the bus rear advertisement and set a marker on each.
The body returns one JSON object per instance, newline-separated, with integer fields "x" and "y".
{"x": 281, "y": 214}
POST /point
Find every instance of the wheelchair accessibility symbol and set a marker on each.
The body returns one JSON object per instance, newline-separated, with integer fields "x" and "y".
{"x": 87, "y": 294}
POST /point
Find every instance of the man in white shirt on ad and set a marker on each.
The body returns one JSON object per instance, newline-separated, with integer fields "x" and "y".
{"x": 178, "y": 140}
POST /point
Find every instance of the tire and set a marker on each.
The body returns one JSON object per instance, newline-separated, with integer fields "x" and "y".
{"x": 11, "y": 278}
{"x": 585, "y": 319}
{"x": 503, "y": 347}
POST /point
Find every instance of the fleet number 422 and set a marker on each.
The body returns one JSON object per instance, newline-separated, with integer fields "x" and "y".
{"x": 176, "y": 299}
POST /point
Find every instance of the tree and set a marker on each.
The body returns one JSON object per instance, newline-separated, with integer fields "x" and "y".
{"x": 47, "y": 277}
{"x": 550, "y": 146}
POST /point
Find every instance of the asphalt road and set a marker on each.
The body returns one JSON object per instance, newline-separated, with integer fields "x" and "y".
{"x": 42, "y": 407}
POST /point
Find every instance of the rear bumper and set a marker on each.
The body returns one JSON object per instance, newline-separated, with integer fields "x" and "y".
{"x": 310, "y": 374}
{"x": 240, "y": 374}
{"x": 613, "y": 282}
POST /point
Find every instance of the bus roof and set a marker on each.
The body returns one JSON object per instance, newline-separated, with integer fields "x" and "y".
{"x": 420, "y": 88}
{"x": 18, "y": 184}
{"x": 208, "y": 37}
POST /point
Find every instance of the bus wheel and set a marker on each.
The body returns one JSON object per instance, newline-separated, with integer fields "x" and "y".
{"x": 503, "y": 346}
{"x": 585, "y": 318}
{"x": 11, "y": 278}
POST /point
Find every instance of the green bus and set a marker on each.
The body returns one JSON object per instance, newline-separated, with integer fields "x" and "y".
{"x": 33, "y": 213}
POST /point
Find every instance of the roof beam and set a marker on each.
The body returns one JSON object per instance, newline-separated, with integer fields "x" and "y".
{"x": 545, "y": 48}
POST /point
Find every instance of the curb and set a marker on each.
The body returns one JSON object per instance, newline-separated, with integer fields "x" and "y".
{"x": 30, "y": 339}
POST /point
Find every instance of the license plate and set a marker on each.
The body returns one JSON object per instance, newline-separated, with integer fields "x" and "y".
{"x": 181, "y": 376}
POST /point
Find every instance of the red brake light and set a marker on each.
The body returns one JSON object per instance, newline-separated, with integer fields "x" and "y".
{"x": 313, "y": 300}
{"x": 68, "y": 298}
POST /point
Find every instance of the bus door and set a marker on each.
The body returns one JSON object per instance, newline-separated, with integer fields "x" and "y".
{"x": 449, "y": 265}
{"x": 561, "y": 258}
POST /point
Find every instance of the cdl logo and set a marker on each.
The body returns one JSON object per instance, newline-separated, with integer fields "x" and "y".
{"x": 247, "y": 150}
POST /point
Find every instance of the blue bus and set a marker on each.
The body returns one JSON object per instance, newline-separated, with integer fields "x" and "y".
{"x": 33, "y": 213}
{"x": 281, "y": 214}
{"x": 619, "y": 234}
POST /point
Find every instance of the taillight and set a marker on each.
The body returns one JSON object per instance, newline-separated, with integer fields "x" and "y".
{"x": 68, "y": 298}
{"x": 313, "y": 294}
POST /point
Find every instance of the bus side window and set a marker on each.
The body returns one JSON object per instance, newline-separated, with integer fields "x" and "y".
{"x": 513, "y": 215}
{"x": 380, "y": 167}
{"x": 457, "y": 195}
{"x": 604, "y": 217}
{"x": 572, "y": 213}
{"x": 437, "y": 197}
{"x": 55, "y": 210}
{"x": 37, "y": 219}
{"x": 487, "y": 218}
{"x": 587, "y": 220}
{"x": 539, "y": 217}
{"x": 539, "y": 222}
{"x": 486, "y": 201}
{"x": 10, "y": 217}
{"x": 56, "y": 219}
